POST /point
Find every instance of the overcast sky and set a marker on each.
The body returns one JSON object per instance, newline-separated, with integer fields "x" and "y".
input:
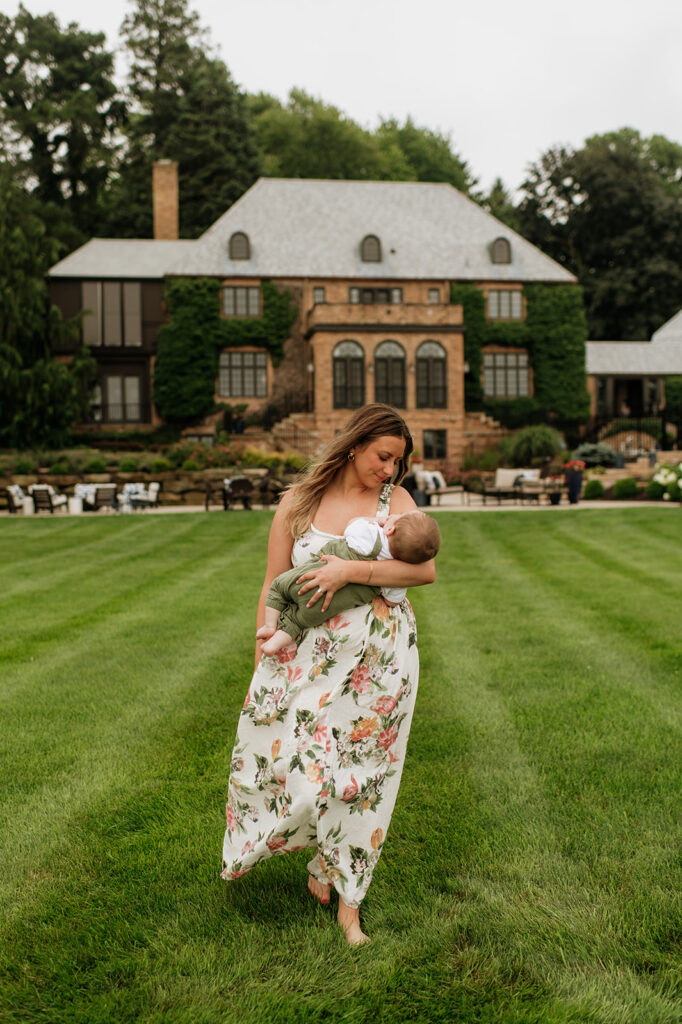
{"x": 504, "y": 79}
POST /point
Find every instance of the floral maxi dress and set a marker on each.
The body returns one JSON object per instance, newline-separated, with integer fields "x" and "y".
{"x": 321, "y": 742}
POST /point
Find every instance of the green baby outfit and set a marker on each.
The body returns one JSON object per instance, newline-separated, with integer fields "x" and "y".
{"x": 295, "y": 616}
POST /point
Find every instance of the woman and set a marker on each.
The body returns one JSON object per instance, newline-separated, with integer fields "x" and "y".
{"x": 323, "y": 731}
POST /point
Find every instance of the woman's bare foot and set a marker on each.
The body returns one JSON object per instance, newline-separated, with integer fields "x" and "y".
{"x": 320, "y": 892}
{"x": 349, "y": 919}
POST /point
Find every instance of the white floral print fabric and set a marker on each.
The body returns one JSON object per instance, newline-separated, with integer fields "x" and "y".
{"x": 321, "y": 742}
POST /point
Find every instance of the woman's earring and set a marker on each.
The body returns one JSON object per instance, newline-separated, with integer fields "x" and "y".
{"x": 351, "y": 456}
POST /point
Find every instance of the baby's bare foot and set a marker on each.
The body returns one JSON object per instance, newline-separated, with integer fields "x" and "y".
{"x": 349, "y": 919}
{"x": 320, "y": 891}
{"x": 277, "y": 641}
{"x": 265, "y": 632}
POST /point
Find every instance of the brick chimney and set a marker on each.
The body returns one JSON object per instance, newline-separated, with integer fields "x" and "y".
{"x": 165, "y": 199}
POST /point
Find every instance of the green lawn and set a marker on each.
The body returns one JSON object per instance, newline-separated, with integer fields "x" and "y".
{"x": 532, "y": 872}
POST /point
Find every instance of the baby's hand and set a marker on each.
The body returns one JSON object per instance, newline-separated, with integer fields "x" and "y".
{"x": 389, "y": 525}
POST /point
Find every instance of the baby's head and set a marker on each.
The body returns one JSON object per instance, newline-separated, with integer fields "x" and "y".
{"x": 416, "y": 538}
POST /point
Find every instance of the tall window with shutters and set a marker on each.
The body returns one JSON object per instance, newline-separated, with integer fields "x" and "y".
{"x": 431, "y": 376}
{"x": 348, "y": 360}
{"x": 389, "y": 374}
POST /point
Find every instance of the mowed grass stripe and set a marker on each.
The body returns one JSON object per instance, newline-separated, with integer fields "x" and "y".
{"x": 103, "y": 552}
{"x": 647, "y": 626}
{"x": 140, "y": 630}
{"x": 76, "y": 737}
{"x": 32, "y": 629}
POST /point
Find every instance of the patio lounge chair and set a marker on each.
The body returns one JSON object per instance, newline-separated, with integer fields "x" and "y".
{"x": 96, "y": 496}
{"x": 46, "y": 499}
{"x": 145, "y": 497}
{"x": 507, "y": 484}
{"x": 270, "y": 491}
{"x": 15, "y": 498}
{"x": 238, "y": 488}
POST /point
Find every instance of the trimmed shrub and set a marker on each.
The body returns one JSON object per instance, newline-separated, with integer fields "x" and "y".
{"x": 674, "y": 489}
{"x": 593, "y": 489}
{"x": 59, "y": 467}
{"x": 22, "y": 466}
{"x": 96, "y": 466}
{"x": 654, "y": 490}
{"x": 127, "y": 465}
{"x": 190, "y": 466}
{"x": 533, "y": 443}
{"x": 160, "y": 465}
{"x": 596, "y": 454}
{"x": 625, "y": 488}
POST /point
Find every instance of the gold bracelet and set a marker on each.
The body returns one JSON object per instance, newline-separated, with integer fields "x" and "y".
{"x": 369, "y": 578}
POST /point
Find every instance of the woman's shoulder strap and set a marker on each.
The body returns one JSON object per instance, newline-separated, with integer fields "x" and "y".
{"x": 385, "y": 499}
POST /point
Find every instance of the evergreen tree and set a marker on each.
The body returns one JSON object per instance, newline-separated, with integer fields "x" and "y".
{"x": 183, "y": 106}
{"x": 500, "y": 204}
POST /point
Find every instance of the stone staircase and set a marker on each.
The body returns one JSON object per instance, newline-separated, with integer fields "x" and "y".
{"x": 481, "y": 432}
{"x": 297, "y": 433}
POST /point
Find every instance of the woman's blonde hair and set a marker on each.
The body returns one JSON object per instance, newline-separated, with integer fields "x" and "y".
{"x": 366, "y": 425}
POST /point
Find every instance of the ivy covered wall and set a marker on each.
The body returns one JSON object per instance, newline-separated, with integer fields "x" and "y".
{"x": 553, "y": 333}
{"x": 191, "y": 341}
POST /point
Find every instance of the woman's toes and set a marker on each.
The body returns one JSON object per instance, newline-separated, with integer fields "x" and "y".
{"x": 319, "y": 891}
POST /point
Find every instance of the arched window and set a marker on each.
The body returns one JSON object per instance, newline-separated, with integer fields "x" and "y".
{"x": 349, "y": 375}
{"x": 500, "y": 251}
{"x": 370, "y": 250}
{"x": 389, "y": 374}
{"x": 431, "y": 376}
{"x": 240, "y": 247}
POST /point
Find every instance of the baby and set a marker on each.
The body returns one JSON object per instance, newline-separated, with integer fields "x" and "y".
{"x": 411, "y": 537}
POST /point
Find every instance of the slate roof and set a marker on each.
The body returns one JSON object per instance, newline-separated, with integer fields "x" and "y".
{"x": 659, "y": 357}
{"x": 137, "y": 258}
{"x": 305, "y": 228}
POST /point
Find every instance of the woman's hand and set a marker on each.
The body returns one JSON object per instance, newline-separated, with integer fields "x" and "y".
{"x": 326, "y": 580}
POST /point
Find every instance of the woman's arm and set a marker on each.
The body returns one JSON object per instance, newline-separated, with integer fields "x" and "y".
{"x": 280, "y": 545}
{"x": 390, "y": 573}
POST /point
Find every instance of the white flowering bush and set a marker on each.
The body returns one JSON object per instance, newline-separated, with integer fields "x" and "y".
{"x": 666, "y": 483}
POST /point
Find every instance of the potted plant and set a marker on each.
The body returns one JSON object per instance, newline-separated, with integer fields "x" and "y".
{"x": 573, "y": 474}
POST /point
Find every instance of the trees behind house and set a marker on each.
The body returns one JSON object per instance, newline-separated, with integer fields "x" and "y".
{"x": 611, "y": 212}
{"x": 181, "y": 105}
{"x": 59, "y": 110}
{"x": 306, "y": 138}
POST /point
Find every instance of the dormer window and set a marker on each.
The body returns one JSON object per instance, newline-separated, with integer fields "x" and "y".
{"x": 240, "y": 247}
{"x": 370, "y": 250}
{"x": 500, "y": 251}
